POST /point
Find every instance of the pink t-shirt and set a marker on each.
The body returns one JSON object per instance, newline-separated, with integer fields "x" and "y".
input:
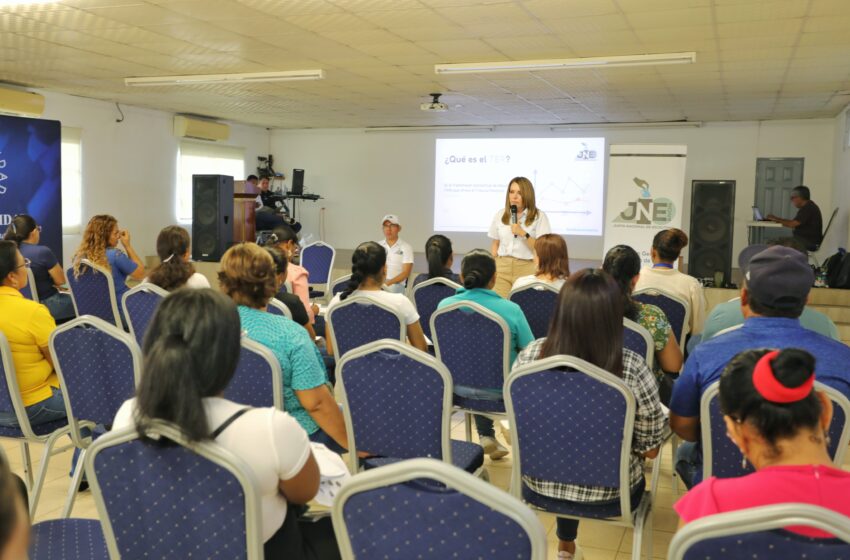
{"x": 817, "y": 485}
{"x": 299, "y": 278}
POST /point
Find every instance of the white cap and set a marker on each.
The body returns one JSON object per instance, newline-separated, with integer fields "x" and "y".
{"x": 391, "y": 218}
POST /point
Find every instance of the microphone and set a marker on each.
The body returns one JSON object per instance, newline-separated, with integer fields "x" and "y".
{"x": 513, "y": 215}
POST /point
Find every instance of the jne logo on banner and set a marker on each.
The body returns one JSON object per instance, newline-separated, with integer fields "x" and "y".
{"x": 647, "y": 210}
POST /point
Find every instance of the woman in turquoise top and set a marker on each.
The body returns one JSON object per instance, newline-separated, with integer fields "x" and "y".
{"x": 478, "y": 276}
{"x": 247, "y": 275}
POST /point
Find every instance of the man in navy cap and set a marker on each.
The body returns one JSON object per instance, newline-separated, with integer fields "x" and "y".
{"x": 776, "y": 285}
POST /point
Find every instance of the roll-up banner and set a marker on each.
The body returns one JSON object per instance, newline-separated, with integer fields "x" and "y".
{"x": 31, "y": 176}
{"x": 646, "y": 185}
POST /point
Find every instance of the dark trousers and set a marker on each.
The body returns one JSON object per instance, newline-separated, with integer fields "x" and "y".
{"x": 302, "y": 538}
{"x": 567, "y": 529}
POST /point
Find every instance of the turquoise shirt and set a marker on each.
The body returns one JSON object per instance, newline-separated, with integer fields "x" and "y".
{"x": 728, "y": 314}
{"x": 509, "y": 311}
{"x": 302, "y": 366}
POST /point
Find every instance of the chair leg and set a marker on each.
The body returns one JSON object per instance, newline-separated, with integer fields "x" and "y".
{"x": 674, "y": 447}
{"x": 74, "y": 487}
{"x": 42, "y": 471}
{"x": 27, "y": 462}
{"x": 467, "y": 418}
{"x": 637, "y": 538}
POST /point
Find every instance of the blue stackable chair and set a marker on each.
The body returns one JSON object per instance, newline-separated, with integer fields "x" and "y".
{"x": 166, "y": 497}
{"x": 427, "y": 296}
{"x": 68, "y": 539}
{"x": 258, "y": 380}
{"x": 474, "y": 343}
{"x": 93, "y": 293}
{"x": 277, "y": 307}
{"x": 424, "y": 508}
{"x": 360, "y": 320}
{"x": 397, "y": 403}
{"x": 537, "y": 301}
{"x": 675, "y": 308}
{"x": 638, "y": 340}
{"x": 340, "y": 284}
{"x": 760, "y": 533}
{"x": 30, "y": 291}
{"x": 99, "y": 367}
{"x": 599, "y": 408}
{"x": 139, "y": 305}
{"x": 318, "y": 259}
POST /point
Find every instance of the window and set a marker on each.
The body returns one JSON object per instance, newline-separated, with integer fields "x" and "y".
{"x": 72, "y": 180}
{"x": 204, "y": 159}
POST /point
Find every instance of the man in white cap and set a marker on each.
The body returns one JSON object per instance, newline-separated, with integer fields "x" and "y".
{"x": 399, "y": 255}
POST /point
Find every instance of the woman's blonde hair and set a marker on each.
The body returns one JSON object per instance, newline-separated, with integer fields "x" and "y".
{"x": 247, "y": 275}
{"x": 526, "y": 191}
{"x": 95, "y": 242}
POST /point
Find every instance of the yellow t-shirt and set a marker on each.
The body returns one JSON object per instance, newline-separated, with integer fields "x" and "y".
{"x": 27, "y": 326}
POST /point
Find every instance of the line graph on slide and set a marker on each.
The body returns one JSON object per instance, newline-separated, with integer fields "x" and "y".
{"x": 566, "y": 197}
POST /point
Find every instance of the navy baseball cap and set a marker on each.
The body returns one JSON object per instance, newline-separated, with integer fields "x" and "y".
{"x": 777, "y": 277}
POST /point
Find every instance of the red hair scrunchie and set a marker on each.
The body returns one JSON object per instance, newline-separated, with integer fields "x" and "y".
{"x": 771, "y": 389}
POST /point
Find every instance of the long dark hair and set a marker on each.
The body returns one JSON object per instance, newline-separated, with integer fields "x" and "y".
{"x": 366, "y": 262}
{"x": 280, "y": 235}
{"x": 438, "y": 251}
{"x": 8, "y": 258}
{"x": 172, "y": 271}
{"x": 20, "y": 228}
{"x": 740, "y": 400}
{"x": 623, "y": 263}
{"x": 281, "y": 263}
{"x": 190, "y": 352}
{"x": 588, "y": 321}
{"x": 477, "y": 269}
{"x": 668, "y": 243}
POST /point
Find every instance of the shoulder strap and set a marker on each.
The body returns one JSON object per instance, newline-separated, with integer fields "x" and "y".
{"x": 228, "y": 422}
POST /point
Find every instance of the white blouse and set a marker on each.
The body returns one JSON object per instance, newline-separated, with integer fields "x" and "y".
{"x": 510, "y": 246}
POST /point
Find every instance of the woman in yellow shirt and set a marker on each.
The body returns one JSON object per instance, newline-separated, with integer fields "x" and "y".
{"x": 27, "y": 326}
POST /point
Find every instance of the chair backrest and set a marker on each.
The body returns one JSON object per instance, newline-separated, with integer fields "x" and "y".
{"x": 258, "y": 380}
{"x": 277, "y": 307}
{"x": 93, "y": 292}
{"x": 99, "y": 367}
{"x": 676, "y": 309}
{"x": 826, "y": 229}
{"x": 139, "y": 305}
{"x": 722, "y": 458}
{"x": 360, "y": 320}
{"x": 388, "y": 384}
{"x": 386, "y": 513}
{"x": 473, "y": 342}
{"x": 340, "y": 284}
{"x": 427, "y": 296}
{"x": 537, "y": 301}
{"x": 637, "y": 339}
{"x": 30, "y": 291}
{"x": 170, "y": 498}
{"x": 10, "y": 393}
{"x": 318, "y": 259}
{"x": 546, "y": 395}
{"x": 759, "y": 533}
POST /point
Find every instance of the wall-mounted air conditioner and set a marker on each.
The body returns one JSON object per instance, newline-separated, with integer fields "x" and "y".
{"x": 191, "y": 127}
{"x": 20, "y": 102}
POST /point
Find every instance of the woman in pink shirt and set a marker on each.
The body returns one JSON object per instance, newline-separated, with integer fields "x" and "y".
{"x": 285, "y": 239}
{"x": 780, "y": 425}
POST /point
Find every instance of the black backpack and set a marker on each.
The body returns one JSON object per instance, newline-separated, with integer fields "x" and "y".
{"x": 838, "y": 270}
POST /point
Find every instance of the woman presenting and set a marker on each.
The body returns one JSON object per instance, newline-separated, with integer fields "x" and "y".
{"x": 513, "y": 239}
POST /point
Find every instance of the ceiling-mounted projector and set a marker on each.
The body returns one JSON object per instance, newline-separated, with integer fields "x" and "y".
{"x": 435, "y": 104}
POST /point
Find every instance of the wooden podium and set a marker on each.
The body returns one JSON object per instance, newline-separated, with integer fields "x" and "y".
{"x": 244, "y": 212}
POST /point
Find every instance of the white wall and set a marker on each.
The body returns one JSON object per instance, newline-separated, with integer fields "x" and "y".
{"x": 366, "y": 175}
{"x": 839, "y": 235}
{"x": 130, "y": 168}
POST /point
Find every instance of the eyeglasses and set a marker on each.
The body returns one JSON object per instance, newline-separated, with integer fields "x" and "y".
{"x": 26, "y": 264}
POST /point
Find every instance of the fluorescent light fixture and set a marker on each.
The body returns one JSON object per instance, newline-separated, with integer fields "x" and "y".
{"x": 658, "y": 124}
{"x": 567, "y": 63}
{"x": 447, "y": 128}
{"x": 25, "y": 2}
{"x": 249, "y": 77}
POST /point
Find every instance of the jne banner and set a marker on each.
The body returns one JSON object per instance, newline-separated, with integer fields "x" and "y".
{"x": 31, "y": 175}
{"x": 645, "y": 193}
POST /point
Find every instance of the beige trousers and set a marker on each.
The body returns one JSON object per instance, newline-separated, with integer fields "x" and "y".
{"x": 508, "y": 269}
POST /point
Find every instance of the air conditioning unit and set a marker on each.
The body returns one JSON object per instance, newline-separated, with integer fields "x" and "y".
{"x": 19, "y": 102}
{"x": 190, "y": 127}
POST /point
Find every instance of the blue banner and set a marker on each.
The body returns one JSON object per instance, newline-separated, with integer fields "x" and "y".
{"x": 31, "y": 175}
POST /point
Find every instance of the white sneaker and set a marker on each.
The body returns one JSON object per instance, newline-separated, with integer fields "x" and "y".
{"x": 493, "y": 448}
{"x": 564, "y": 555}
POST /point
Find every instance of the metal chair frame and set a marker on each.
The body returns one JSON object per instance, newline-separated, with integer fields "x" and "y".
{"x": 277, "y": 307}
{"x": 143, "y": 287}
{"x": 113, "y": 300}
{"x": 686, "y": 329}
{"x": 361, "y": 300}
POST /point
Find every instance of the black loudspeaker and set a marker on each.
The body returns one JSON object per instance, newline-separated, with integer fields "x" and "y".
{"x": 297, "y": 181}
{"x": 712, "y": 218}
{"x": 212, "y": 216}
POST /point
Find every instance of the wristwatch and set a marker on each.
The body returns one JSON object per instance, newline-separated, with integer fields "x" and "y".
{"x": 527, "y": 235}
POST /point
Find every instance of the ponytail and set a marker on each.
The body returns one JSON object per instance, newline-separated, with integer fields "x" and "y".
{"x": 20, "y": 228}
{"x": 367, "y": 261}
{"x": 623, "y": 263}
{"x": 477, "y": 269}
{"x": 438, "y": 251}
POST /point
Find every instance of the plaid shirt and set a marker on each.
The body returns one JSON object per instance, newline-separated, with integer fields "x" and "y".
{"x": 649, "y": 430}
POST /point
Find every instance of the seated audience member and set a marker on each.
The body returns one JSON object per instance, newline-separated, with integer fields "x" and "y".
{"x": 552, "y": 261}
{"x": 368, "y": 272}
{"x": 14, "y": 516}
{"x": 291, "y": 301}
{"x": 100, "y": 246}
{"x": 663, "y": 275}
{"x": 175, "y": 269}
{"x": 728, "y": 314}
{"x": 46, "y": 269}
{"x": 478, "y": 277}
{"x": 247, "y": 275}
{"x": 438, "y": 252}
{"x": 285, "y": 239}
{"x": 183, "y": 379}
{"x": 623, "y": 264}
{"x": 780, "y": 423}
{"x": 399, "y": 255}
{"x": 775, "y": 287}
{"x": 269, "y": 204}
{"x": 807, "y": 224}
{"x": 588, "y": 324}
